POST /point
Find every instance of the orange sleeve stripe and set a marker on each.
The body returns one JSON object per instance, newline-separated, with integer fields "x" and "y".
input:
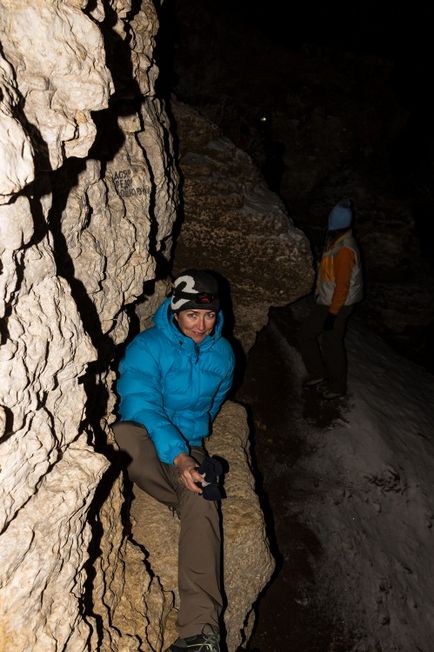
{"x": 343, "y": 266}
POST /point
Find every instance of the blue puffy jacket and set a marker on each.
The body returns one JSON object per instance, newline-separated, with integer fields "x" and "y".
{"x": 173, "y": 386}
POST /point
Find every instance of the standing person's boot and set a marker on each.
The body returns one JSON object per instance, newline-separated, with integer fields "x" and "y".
{"x": 313, "y": 382}
{"x": 329, "y": 394}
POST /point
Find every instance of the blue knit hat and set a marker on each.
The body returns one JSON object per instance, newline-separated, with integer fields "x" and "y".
{"x": 340, "y": 216}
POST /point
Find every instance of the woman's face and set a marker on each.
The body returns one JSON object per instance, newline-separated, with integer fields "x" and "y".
{"x": 196, "y": 324}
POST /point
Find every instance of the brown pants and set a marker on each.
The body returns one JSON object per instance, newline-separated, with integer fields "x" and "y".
{"x": 199, "y": 548}
{"x": 328, "y": 360}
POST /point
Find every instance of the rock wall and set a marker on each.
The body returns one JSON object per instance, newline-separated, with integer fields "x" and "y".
{"x": 235, "y": 225}
{"x": 88, "y": 195}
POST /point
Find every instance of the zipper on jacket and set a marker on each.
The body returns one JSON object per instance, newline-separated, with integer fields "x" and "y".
{"x": 197, "y": 353}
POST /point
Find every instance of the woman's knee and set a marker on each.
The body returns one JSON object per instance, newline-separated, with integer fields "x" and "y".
{"x": 133, "y": 441}
{"x": 121, "y": 434}
{"x": 141, "y": 461}
{"x": 129, "y": 435}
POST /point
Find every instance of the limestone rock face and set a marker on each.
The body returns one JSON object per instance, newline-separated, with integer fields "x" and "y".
{"x": 16, "y": 155}
{"x": 247, "y": 561}
{"x": 84, "y": 199}
{"x": 60, "y": 85}
{"x": 234, "y": 225}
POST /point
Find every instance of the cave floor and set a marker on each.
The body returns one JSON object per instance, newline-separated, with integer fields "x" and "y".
{"x": 289, "y": 614}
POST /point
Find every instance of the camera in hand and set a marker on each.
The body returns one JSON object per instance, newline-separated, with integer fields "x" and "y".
{"x": 211, "y": 469}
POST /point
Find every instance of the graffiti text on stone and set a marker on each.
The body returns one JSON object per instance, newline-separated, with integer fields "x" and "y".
{"x": 123, "y": 180}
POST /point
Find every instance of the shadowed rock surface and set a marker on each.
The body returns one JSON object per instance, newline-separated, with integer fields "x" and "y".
{"x": 235, "y": 225}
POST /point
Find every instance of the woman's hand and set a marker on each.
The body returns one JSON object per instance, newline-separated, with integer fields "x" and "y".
{"x": 187, "y": 466}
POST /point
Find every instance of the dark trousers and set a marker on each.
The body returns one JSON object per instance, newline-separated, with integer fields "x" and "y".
{"x": 323, "y": 352}
{"x": 199, "y": 541}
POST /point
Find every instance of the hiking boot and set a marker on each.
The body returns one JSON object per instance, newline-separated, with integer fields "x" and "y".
{"x": 198, "y": 643}
{"x": 329, "y": 395}
{"x": 311, "y": 382}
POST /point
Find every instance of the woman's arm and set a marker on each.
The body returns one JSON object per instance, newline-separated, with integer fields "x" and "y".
{"x": 141, "y": 400}
{"x": 224, "y": 386}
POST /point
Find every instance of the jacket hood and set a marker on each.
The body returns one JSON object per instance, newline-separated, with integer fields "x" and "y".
{"x": 163, "y": 320}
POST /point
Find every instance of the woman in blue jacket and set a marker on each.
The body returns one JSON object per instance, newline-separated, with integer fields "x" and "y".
{"x": 173, "y": 380}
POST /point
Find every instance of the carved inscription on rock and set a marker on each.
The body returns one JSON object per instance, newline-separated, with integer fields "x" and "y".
{"x": 124, "y": 184}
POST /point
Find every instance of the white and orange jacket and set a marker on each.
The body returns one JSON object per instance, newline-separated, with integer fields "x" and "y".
{"x": 339, "y": 282}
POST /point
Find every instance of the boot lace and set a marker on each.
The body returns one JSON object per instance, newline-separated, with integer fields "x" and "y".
{"x": 210, "y": 643}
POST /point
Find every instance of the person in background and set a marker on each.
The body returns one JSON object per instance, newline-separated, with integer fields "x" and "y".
{"x": 173, "y": 380}
{"x": 339, "y": 286}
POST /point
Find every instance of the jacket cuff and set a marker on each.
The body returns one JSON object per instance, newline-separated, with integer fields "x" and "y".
{"x": 168, "y": 454}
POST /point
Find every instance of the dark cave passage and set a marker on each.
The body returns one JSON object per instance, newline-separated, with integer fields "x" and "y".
{"x": 330, "y": 103}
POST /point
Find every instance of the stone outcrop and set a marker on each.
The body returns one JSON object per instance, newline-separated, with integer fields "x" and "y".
{"x": 235, "y": 225}
{"x": 80, "y": 232}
